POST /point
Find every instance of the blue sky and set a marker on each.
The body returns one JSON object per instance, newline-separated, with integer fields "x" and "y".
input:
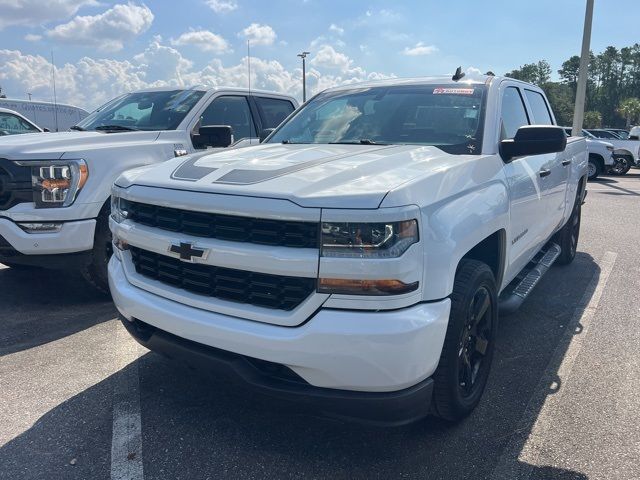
{"x": 104, "y": 47}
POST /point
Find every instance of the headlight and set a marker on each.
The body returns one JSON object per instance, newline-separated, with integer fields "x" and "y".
{"x": 56, "y": 183}
{"x": 119, "y": 207}
{"x": 368, "y": 240}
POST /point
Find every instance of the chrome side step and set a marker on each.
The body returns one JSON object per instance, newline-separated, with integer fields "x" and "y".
{"x": 517, "y": 291}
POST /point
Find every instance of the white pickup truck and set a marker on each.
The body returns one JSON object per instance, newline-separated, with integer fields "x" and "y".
{"x": 358, "y": 258}
{"x": 55, "y": 188}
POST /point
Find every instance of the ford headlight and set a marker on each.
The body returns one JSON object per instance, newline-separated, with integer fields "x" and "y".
{"x": 56, "y": 183}
{"x": 368, "y": 240}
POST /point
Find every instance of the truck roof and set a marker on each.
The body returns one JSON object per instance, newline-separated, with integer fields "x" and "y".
{"x": 204, "y": 88}
{"x": 468, "y": 79}
{"x": 38, "y": 102}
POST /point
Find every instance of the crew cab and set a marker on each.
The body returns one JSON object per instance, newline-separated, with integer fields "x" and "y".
{"x": 55, "y": 188}
{"x": 355, "y": 261}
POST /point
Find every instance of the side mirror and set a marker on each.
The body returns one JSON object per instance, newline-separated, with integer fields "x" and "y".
{"x": 265, "y": 133}
{"x": 215, "y": 136}
{"x": 634, "y": 137}
{"x": 534, "y": 140}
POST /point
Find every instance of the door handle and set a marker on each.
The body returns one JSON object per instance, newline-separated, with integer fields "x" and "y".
{"x": 566, "y": 162}
{"x": 544, "y": 172}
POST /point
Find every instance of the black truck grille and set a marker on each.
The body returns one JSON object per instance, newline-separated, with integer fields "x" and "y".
{"x": 260, "y": 289}
{"x": 15, "y": 184}
{"x": 282, "y": 233}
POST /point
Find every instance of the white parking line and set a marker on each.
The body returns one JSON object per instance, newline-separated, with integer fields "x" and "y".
{"x": 126, "y": 443}
{"x": 556, "y": 373}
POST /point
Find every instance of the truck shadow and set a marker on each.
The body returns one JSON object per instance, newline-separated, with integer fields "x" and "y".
{"x": 62, "y": 303}
{"x": 197, "y": 426}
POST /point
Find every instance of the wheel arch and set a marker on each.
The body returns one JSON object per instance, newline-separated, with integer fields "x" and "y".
{"x": 491, "y": 251}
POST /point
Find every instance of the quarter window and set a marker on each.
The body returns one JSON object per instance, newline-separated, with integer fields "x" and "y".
{"x": 514, "y": 113}
{"x": 539, "y": 108}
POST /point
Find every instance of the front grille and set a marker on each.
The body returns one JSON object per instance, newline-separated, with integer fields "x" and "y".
{"x": 15, "y": 184}
{"x": 282, "y": 233}
{"x": 260, "y": 289}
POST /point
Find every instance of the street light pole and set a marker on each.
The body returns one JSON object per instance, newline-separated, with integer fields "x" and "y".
{"x": 303, "y": 56}
{"x": 581, "y": 90}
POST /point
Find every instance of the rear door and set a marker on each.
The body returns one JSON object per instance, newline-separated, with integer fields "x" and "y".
{"x": 555, "y": 184}
{"x": 528, "y": 223}
{"x": 272, "y": 111}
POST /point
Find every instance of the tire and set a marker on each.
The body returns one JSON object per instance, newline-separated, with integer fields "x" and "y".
{"x": 95, "y": 273}
{"x": 465, "y": 361}
{"x": 621, "y": 166}
{"x": 594, "y": 168}
{"x": 568, "y": 235}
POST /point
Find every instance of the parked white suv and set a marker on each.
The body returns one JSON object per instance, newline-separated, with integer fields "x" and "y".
{"x": 54, "y": 188}
{"x": 600, "y": 156}
{"x": 358, "y": 258}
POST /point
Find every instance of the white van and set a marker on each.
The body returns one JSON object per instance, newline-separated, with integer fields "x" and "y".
{"x": 53, "y": 117}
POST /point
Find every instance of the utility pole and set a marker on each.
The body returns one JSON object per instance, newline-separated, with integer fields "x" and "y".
{"x": 303, "y": 56}
{"x": 581, "y": 91}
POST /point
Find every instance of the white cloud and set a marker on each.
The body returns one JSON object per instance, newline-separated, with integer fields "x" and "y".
{"x": 419, "y": 49}
{"x": 222, "y": 6}
{"x": 328, "y": 57}
{"x": 336, "y": 29}
{"x": 38, "y": 12}
{"x": 259, "y": 34}
{"x": 205, "y": 40}
{"x": 30, "y": 37}
{"x": 90, "y": 82}
{"x": 107, "y": 31}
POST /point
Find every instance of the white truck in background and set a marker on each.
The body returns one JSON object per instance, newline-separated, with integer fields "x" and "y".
{"x": 55, "y": 188}
{"x": 52, "y": 117}
{"x": 357, "y": 259}
{"x": 600, "y": 155}
{"x": 12, "y": 123}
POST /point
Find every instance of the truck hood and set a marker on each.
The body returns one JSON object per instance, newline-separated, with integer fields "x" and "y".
{"x": 48, "y": 146}
{"x": 329, "y": 176}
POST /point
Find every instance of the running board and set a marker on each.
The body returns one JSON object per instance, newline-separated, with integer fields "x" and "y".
{"x": 517, "y": 291}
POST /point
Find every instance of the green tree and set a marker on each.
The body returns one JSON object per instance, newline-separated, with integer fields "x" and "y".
{"x": 536, "y": 73}
{"x": 592, "y": 119}
{"x": 629, "y": 109}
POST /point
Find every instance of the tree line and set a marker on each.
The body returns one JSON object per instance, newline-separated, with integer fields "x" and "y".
{"x": 613, "y": 87}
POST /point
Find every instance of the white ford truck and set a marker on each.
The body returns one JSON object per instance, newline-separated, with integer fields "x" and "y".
{"x": 54, "y": 188}
{"x": 358, "y": 258}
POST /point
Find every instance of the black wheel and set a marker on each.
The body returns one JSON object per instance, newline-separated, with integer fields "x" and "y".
{"x": 468, "y": 348}
{"x": 594, "y": 168}
{"x": 568, "y": 235}
{"x": 621, "y": 166}
{"x": 96, "y": 272}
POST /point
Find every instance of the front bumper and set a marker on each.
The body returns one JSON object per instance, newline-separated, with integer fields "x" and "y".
{"x": 347, "y": 352}
{"x": 73, "y": 237}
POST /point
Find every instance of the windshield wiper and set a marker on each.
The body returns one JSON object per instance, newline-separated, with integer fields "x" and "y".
{"x": 78, "y": 128}
{"x": 291, "y": 142}
{"x": 362, "y": 141}
{"x": 115, "y": 128}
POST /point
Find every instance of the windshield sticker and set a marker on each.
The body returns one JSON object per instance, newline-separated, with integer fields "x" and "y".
{"x": 453, "y": 91}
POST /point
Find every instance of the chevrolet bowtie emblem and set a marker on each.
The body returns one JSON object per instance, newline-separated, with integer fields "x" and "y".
{"x": 188, "y": 252}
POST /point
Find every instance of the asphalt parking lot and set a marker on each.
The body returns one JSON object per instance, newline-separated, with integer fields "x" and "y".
{"x": 80, "y": 400}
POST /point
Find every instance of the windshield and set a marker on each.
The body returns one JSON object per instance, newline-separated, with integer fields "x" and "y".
{"x": 446, "y": 116}
{"x": 143, "y": 111}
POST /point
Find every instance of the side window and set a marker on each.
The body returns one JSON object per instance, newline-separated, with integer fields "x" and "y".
{"x": 274, "y": 110}
{"x": 233, "y": 111}
{"x": 514, "y": 113}
{"x": 12, "y": 124}
{"x": 539, "y": 108}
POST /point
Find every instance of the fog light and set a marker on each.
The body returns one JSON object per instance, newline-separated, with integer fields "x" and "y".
{"x": 49, "y": 227}
{"x": 365, "y": 287}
